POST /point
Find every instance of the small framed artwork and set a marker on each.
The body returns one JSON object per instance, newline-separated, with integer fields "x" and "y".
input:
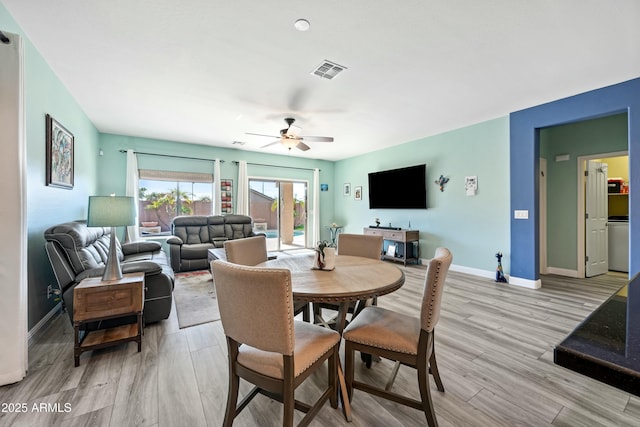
{"x": 226, "y": 196}
{"x": 324, "y": 187}
{"x": 357, "y": 193}
{"x": 59, "y": 156}
{"x": 346, "y": 190}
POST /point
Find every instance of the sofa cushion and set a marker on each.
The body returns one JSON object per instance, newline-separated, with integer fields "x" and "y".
{"x": 238, "y": 231}
{"x": 195, "y": 251}
{"x": 191, "y": 229}
{"x": 85, "y": 247}
{"x": 216, "y": 227}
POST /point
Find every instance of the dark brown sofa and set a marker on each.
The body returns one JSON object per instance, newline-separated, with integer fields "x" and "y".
{"x": 194, "y": 235}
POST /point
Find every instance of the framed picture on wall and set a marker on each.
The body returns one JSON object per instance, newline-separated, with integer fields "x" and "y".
{"x": 226, "y": 196}
{"x": 357, "y": 193}
{"x": 59, "y": 157}
{"x": 346, "y": 189}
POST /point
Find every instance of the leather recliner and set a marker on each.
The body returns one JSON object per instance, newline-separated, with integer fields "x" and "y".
{"x": 77, "y": 252}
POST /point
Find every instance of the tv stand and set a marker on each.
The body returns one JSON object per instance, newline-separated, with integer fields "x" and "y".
{"x": 406, "y": 241}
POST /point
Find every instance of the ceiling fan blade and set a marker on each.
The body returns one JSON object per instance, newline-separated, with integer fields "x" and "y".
{"x": 302, "y": 146}
{"x": 261, "y": 134}
{"x": 277, "y": 141}
{"x": 318, "y": 138}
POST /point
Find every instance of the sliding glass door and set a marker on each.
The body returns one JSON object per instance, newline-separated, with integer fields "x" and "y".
{"x": 279, "y": 209}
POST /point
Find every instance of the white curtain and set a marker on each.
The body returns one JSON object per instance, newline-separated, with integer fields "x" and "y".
{"x": 13, "y": 211}
{"x": 315, "y": 210}
{"x": 217, "y": 202}
{"x": 242, "y": 204}
{"x": 133, "y": 231}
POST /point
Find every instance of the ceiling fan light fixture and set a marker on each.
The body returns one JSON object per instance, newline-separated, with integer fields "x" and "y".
{"x": 302, "y": 25}
{"x": 289, "y": 143}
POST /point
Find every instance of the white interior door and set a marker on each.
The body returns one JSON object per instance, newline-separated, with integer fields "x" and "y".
{"x": 596, "y": 218}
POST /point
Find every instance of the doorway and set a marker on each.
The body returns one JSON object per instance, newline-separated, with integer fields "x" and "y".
{"x": 279, "y": 210}
{"x": 616, "y": 215}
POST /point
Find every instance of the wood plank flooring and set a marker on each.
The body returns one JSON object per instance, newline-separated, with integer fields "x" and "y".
{"x": 494, "y": 345}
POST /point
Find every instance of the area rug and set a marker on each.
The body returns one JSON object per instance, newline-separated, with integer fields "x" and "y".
{"x": 195, "y": 299}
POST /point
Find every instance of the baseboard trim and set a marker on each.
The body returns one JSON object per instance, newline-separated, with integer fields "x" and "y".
{"x": 562, "y": 272}
{"x": 516, "y": 281}
{"x": 525, "y": 283}
{"x": 473, "y": 271}
{"x": 32, "y": 333}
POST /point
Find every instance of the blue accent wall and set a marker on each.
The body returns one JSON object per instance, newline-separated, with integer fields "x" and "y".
{"x": 524, "y": 161}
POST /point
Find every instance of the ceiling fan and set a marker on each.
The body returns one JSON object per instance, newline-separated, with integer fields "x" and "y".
{"x": 290, "y": 137}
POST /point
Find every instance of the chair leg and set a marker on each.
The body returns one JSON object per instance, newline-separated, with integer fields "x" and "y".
{"x": 392, "y": 377}
{"x": 349, "y": 369}
{"x": 306, "y": 313}
{"x": 232, "y": 400}
{"x": 425, "y": 394}
{"x": 433, "y": 368}
{"x": 333, "y": 377}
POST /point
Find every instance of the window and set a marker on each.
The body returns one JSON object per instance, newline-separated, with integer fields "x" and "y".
{"x": 163, "y": 195}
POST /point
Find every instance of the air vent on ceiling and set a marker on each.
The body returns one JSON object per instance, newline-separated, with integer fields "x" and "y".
{"x": 328, "y": 70}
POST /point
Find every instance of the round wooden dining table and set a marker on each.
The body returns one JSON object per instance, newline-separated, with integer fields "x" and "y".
{"x": 354, "y": 279}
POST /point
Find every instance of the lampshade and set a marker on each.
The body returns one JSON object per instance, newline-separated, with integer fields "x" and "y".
{"x": 111, "y": 211}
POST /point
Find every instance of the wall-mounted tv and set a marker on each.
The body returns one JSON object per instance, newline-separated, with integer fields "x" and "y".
{"x": 404, "y": 188}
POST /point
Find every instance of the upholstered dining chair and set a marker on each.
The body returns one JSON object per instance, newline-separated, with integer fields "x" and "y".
{"x": 266, "y": 347}
{"x": 247, "y": 251}
{"x": 253, "y": 251}
{"x": 363, "y": 245}
{"x": 366, "y": 246}
{"x": 402, "y": 338}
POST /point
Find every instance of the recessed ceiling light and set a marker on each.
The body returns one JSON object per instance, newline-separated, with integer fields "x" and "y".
{"x": 302, "y": 25}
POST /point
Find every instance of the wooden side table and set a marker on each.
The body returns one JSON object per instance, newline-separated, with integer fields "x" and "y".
{"x": 95, "y": 300}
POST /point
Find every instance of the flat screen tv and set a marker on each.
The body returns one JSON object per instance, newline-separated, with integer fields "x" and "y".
{"x": 404, "y": 188}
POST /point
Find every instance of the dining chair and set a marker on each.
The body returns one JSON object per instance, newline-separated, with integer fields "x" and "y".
{"x": 246, "y": 251}
{"x": 366, "y": 246}
{"x": 266, "y": 346}
{"x": 402, "y": 338}
{"x": 253, "y": 251}
{"x": 363, "y": 245}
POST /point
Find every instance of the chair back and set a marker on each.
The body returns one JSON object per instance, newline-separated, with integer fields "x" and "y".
{"x": 433, "y": 288}
{"x": 247, "y": 251}
{"x": 360, "y": 245}
{"x": 256, "y": 305}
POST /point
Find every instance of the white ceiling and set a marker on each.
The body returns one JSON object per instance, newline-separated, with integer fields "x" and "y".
{"x": 207, "y": 71}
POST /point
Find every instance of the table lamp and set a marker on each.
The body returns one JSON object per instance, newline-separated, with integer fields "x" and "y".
{"x": 111, "y": 211}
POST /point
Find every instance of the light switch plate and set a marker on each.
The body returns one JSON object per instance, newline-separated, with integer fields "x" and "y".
{"x": 521, "y": 214}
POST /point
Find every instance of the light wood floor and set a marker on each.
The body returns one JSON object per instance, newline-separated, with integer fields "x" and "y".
{"x": 494, "y": 345}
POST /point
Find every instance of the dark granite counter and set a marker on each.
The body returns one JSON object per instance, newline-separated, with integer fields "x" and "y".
{"x": 606, "y": 345}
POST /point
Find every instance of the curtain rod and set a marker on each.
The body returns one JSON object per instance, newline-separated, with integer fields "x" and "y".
{"x": 276, "y": 166}
{"x": 175, "y": 157}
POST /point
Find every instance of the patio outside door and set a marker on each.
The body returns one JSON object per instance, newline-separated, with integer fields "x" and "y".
{"x": 279, "y": 209}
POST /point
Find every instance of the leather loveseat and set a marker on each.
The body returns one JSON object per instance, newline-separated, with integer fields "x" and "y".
{"x": 194, "y": 235}
{"x": 77, "y": 251}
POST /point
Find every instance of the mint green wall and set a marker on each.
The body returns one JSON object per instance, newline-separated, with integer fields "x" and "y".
{"x": 46, "y": 206}
{"x": 474, "y": 228}
{"x": 592, "y": 137}
{"x": 112, "y": 165}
